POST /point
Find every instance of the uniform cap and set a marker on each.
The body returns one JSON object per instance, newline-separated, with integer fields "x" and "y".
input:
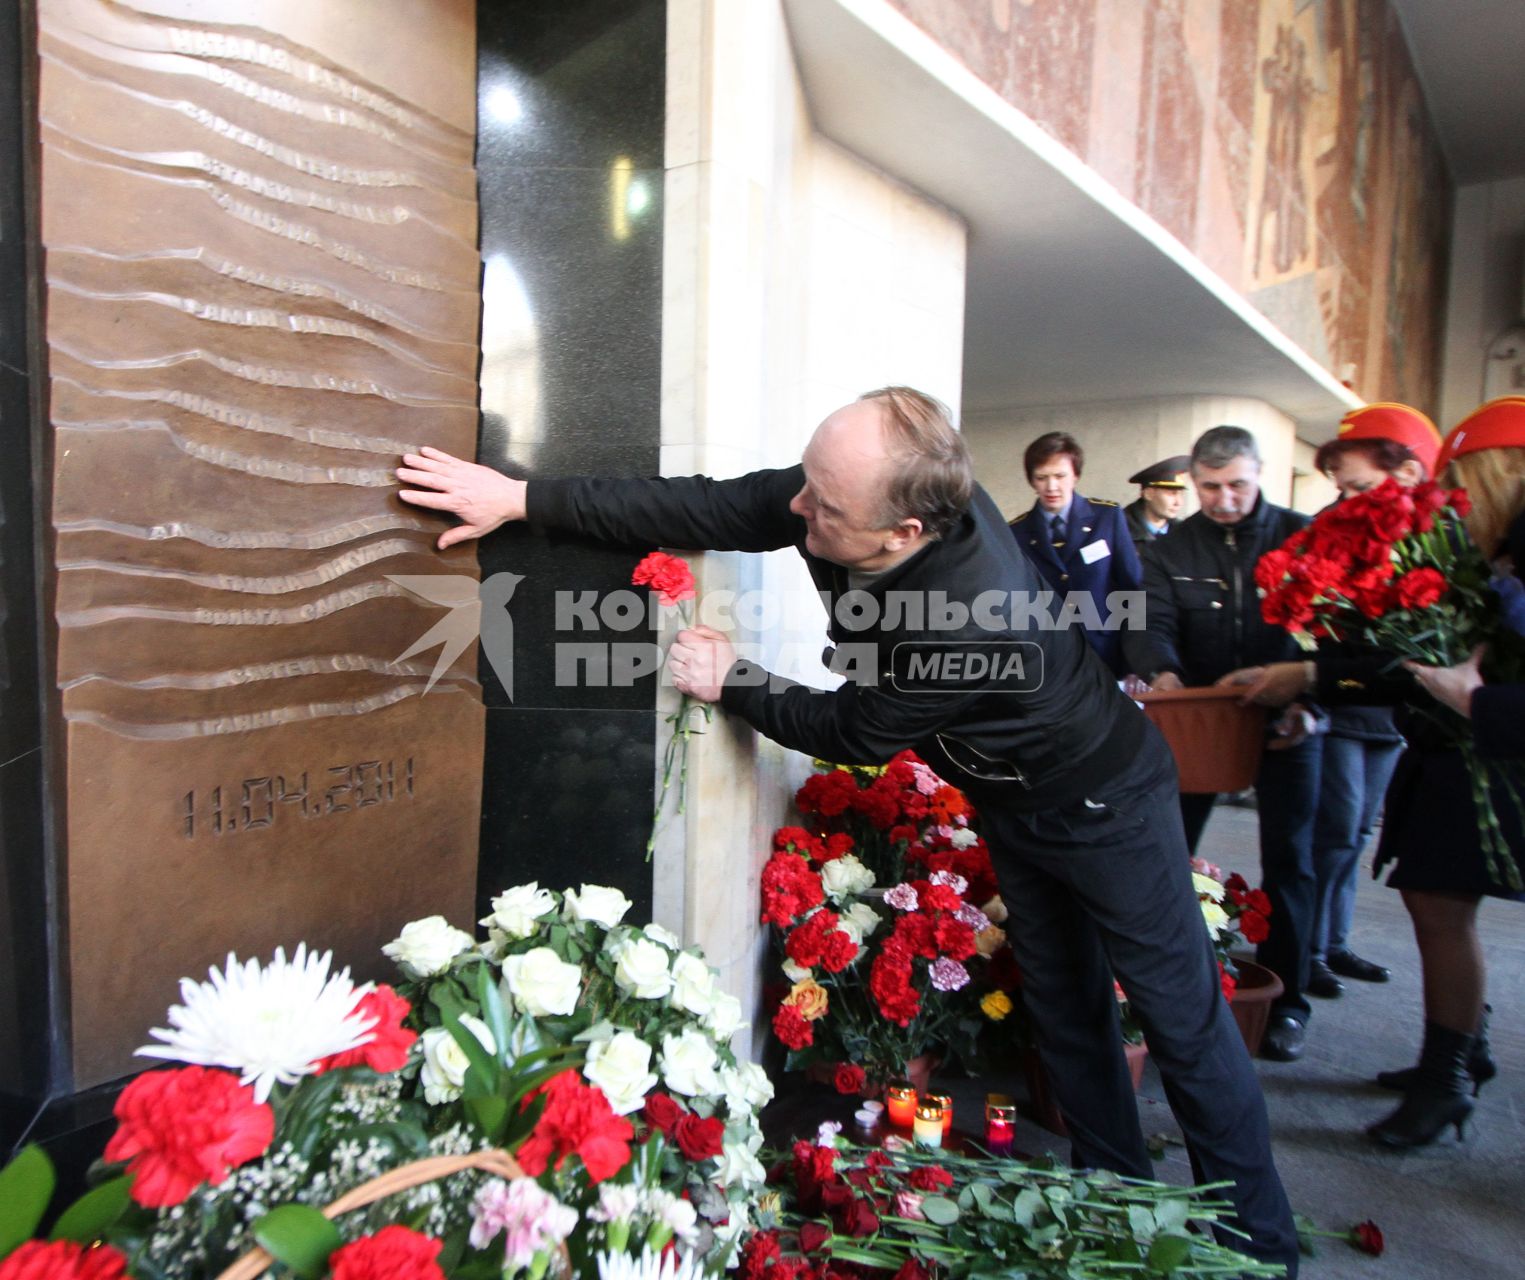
{"x": 1499, "y": 424}
{"x": 1165, "y": 474}
{"x": 1398, "y": 423}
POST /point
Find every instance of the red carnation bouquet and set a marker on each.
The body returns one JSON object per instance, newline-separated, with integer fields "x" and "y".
{"x": 1395, "y": 570}
{"x": 673, "y": 582}
{"x": 886, "y": 913}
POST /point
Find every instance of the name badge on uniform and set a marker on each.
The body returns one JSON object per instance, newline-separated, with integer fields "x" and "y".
{"x": 1094, "y": 551}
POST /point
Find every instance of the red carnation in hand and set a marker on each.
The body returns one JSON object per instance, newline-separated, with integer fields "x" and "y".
{"x": 393, "y": 1253}
{"x": 63, "y": 1260}
{"x": 849, "y": 1077}
{"x": 663, "y": 1113}
{"x": 931, "y": 1177}
{"x": 699, "y": 1138}
{"x": 390, "y": 1041}
{"x": 1420, "y": 588}
{"x": 1367, "y": 1237}
{"x": 577, "y": 1121}
{"x": 790, "y": 1026}
{"x": 178, "y": 1129}
{"x": 669, "y": 577}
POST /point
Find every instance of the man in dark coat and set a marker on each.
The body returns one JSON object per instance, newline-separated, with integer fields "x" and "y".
{"x": 1203, "y": 622}
{"x": 1161, "y": 496}
{"x": 1080, "y": 545}
{"x": 1077, "y": 792}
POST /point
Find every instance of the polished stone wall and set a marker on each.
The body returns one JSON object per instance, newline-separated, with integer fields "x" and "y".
{"x": 1287, "y": 144}
{"x": 570, "y": 132}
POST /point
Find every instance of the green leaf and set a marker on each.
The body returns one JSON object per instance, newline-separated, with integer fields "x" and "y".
{"x": 489, "y": 1114}
{"x": 1140, "y": 1221}
{"x": 26, "y": 1186}
{"x": 940, "y": 1210}
{"x": 482, "y": 1073}
{"x": 494, "y": 1013}
{"x": 299, "y": 1236}
{"x": 86, "y": 1220}
{"x": 1025, "y": 1209}
{"x": 1168, "y": 1253}
{"x": 1171, "y": 1215}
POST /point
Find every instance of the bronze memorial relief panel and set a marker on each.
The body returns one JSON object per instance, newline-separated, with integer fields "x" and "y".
{"x": 260, "y": 230}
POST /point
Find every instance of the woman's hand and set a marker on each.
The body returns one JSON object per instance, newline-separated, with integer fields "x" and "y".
{"x": 1451, "y": 685}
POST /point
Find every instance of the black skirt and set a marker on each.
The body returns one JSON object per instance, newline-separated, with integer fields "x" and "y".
{"x": 1429, "y": 827}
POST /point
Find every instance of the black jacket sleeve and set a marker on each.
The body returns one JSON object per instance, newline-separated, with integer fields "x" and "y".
{"x": 854, "y": 724}
{"x": 1152, "y": 648}
{"x": 689, "y": 513}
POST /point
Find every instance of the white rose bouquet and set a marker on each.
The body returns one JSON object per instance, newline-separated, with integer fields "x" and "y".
{"x": 562, "y": 981}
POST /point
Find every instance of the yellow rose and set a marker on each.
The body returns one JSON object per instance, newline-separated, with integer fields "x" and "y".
{"x": 996, "y": 1005}
{"x": 810, "y": 998}
{"x": 989, "y": 940}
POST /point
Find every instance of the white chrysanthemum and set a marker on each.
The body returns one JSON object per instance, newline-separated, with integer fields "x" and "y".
{"x": 271, "y": 1024}
{"x": 1206, "y": 886}
{"x": 649, "y": 1266}
{"x": 1215, "y": 917}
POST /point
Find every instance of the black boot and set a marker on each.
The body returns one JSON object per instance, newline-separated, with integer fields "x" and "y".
{"x": 1438, "y": 1098}
{"x": 1480, "y": 1064}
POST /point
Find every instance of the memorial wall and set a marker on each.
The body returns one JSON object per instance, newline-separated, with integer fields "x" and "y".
{"x": 259, "y": 227}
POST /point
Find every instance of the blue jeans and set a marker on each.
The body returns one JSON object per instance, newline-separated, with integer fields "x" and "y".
{"x": 1352, "y": 783}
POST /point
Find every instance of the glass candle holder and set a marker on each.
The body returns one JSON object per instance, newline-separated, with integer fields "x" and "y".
{"x": 927, "y": 1128}
{"x": 1000, "y": 1124}
{"x": 900, "y": 1098}
{"x": 945, "y": 1101}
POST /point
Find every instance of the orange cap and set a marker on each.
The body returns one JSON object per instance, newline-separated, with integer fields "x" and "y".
{"x": 1496, "y": 425}
{"x": 1398, "y": 423}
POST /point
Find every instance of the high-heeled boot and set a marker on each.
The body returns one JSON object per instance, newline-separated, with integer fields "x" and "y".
{"x": 1438, "y": 1097}
{"x": 1480, "y": 1064}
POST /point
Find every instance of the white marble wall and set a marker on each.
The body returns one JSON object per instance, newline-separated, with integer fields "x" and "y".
{"x": 795, "y": 278}
{"x": 1122, "y": 436}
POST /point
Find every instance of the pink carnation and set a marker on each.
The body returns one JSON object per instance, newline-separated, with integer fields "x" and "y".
{"x": 948, "y": 975}
{"x": 902, "y": 897}
{"x": 530, "y": 1218}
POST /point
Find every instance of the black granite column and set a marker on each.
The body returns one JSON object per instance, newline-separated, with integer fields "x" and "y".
{"x": 571, "y": 100}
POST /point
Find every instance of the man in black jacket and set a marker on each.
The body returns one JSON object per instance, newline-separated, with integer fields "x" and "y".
{"x": 1203, "y": 622}
{"x": 1075, "y": 788}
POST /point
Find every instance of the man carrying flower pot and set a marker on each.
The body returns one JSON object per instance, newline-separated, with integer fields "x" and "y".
{"x": 1203, "y": 622}
{"x": 960, "y": 660}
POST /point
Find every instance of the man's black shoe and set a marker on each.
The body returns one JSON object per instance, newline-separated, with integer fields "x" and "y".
{"x": 1285, "y": 1040}
{"x": 1349, "y": 965}
{"x": 1322, "y": 983}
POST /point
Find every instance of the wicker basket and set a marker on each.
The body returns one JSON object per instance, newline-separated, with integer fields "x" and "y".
{"x": 403, "y": 1178}
{"x": 1216, "y": 742}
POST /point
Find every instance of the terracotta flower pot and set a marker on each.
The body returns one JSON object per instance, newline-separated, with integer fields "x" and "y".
{"x": 1040, "y": 1092}
{"x": 1216, "y": 742}
{"x": 1251, "y": 1002}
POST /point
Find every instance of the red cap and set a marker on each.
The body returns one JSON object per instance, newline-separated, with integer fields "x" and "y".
{"x": 1499, "y": 424}
{"x": 1398, "y": 423}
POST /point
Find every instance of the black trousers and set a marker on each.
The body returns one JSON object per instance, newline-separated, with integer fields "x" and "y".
{"x": 1103, "y": 888}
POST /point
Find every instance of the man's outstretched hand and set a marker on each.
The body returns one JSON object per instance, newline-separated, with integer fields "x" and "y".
{"x": 699, "y": 659}
{"x": 478, "y": 496}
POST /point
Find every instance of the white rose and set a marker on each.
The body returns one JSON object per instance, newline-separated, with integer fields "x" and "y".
{"x": 859, "y": 921}
{"x": 693, "y": 985}
{"x": 738, "y": 1164}
{"x": 445, "y": 1062}
{"x": 724, "y": 1018}
{"x": 640, "y": 967}
{"x": 798, "y": 972}
{"x": 846, "y": 877}
{"x": 963, "y": 838}
{"x": 679, "y": 1216}
{"x": 746, "y": 1087}
{"x": 665, "y": 936}
{"x": 426, "y": 947}
{"x": 542, "y": 983}
{"x": 596, "y": 904}
{"x": 689, "y": 1063}
{"x": 517, "y": 912}
{"x": 621, "y": 1067}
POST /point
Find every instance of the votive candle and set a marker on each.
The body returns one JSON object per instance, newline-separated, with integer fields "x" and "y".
{"x": 900, "y": 1098}
{"x": 1000, "y": 1124}
{"x": 945, "y": 1101}
{"x": 927, "y": 1128}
